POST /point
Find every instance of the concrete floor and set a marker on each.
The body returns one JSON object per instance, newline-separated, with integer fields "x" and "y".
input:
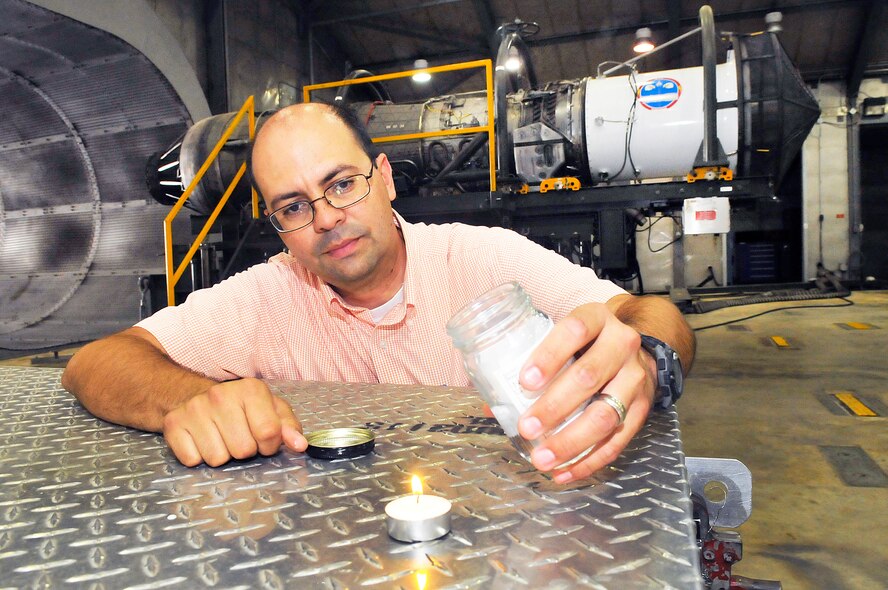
{"x": 747, "y": 399}
{"x": 750, "y": 400}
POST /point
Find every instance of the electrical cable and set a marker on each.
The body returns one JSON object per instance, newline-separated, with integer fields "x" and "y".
{"x": 398, "y": 169}
{"x": 633, "y": 83}
{"x": 630, "y": 123}
{"x": 651, "y": 224}
{"x": 710, "y": 277}
{"x": 660, "y": 249}
{"x": 847, "y": 303}
{"x": 839, "y": 125}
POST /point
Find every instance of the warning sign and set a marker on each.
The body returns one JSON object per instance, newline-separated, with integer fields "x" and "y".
{"x": 659, "y": 93}
{"x": 705, "y": 215}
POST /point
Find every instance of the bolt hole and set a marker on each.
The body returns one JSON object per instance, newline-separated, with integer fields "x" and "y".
{"x": 715, "y": 492}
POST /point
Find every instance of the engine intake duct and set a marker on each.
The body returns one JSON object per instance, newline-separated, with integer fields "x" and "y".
{"x": 776, "y": 108}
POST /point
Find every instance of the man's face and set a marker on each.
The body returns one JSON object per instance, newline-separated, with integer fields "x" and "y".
{"x": 297, "y": 157}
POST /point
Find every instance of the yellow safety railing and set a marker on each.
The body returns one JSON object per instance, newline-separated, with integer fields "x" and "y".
{"x": 489, "y": 128}
{"x": 172, "y": 277}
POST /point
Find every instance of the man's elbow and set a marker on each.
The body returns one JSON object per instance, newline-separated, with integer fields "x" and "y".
{"x": 71, "y": 374}
{"x": 66, "y": 375}
{"x": 82, "y": 364}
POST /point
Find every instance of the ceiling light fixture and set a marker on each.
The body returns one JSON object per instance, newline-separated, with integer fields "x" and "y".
{"x": 774, "y": 20}
{"x": 421, "y": 77}
{"x": 643, "y": 40}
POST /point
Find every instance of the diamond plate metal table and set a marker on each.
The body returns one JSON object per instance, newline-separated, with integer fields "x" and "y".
{"x": 88, "y": 504}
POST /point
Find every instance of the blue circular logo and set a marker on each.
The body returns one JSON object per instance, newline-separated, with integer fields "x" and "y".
{"x": 659, "y": 93}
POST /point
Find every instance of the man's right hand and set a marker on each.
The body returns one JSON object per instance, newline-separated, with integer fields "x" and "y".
{"x": 231, "y": 420}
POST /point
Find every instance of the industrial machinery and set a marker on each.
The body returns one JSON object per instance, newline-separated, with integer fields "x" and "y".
{"x": 579, "y": 164}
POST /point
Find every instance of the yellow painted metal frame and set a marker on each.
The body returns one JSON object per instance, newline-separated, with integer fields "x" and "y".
{"x": 172, "y": 277}
{"x": 489, "y": 128}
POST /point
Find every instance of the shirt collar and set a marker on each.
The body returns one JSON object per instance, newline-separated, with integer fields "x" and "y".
{"x": 410, "y": 287}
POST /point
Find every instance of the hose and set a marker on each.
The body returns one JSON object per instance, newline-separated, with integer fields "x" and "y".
{"x": 825, "y": 281}
{"x": 463, "y": 155}
{"x": 381, "y": 93}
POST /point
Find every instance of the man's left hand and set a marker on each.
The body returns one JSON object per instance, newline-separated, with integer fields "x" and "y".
{"x": 611, "y": 363}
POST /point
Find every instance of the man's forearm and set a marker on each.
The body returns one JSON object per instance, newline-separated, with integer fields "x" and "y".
{"x": 127, "y": 380}
{"x": 657, "y": 317}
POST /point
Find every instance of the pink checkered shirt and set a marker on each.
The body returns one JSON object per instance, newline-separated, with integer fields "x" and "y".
{"x": 279, "y": 321}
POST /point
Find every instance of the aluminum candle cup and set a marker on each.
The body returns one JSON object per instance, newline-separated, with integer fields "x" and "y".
{"x": 418, "y": 517}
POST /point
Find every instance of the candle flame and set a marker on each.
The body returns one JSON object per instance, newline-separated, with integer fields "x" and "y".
{"x": 421, "y": 578}
{"x": 416, "y": 484}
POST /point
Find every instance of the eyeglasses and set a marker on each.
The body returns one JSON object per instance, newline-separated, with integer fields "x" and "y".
{"x": 342, "y": 194}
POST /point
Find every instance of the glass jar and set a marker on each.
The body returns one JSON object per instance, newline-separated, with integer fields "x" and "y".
{"x": 496, "y": 334}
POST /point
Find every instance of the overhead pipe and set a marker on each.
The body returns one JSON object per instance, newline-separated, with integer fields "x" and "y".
{"x": 379, "y": 90}
{"x": 511, "y": 38}
{"x": 711, "y": 153}
{"x": 629, "y": 62}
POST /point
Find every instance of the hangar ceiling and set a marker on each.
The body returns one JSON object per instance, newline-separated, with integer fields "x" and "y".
{"x": 826, "y": 39}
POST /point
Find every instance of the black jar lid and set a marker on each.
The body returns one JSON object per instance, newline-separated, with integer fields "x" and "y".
{"x": 340, "y": 443}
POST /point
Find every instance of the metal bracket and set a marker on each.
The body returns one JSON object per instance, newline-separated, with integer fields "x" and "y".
{"x": 725, "y": 485}
{"x": 560, "y": 184}
{"x": 710, "y": 173}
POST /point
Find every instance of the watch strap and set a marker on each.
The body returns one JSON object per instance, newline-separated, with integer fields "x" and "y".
{"x": 669, "y": 376}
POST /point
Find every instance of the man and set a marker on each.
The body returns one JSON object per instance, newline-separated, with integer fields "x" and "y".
{"x": 364, "y": 296}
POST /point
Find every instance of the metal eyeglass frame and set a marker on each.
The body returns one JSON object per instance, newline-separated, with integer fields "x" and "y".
{"x": 367, "y": 177}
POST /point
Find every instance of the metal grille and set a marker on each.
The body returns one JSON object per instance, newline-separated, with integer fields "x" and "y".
{"x": 127, "y": 234}
{"x": 84, "y": 503}
{"x": 24, "y": 117}
{"x": 45, "y": 175}
{"x": 51, "y": 243}
{"x": 87, "y": 112}
{"x": 24, "y": 297}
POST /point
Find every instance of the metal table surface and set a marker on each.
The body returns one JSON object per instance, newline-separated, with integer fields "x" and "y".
{"x": 88, "y": 504}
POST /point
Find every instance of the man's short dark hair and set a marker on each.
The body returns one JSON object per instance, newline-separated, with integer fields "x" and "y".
{"x": 348, "y": 118}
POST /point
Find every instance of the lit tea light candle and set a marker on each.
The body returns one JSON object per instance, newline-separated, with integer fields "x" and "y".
{"x": 418, "y": 516}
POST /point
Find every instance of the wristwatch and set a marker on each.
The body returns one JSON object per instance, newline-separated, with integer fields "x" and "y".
{"x": 670, "y": 380}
